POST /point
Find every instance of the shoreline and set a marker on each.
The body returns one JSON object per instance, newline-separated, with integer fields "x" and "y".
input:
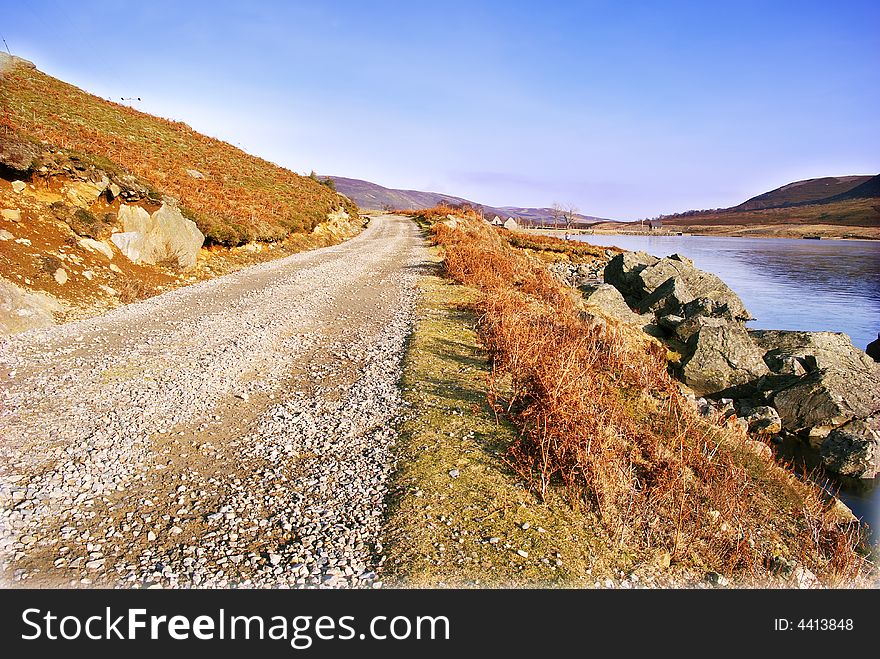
{"x": 557, "y": 233}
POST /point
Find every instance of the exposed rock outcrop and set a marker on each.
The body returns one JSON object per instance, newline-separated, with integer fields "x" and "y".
{"x": 164, "y": 236}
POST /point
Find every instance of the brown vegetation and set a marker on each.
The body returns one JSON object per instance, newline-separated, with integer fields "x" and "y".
{"x": 238, "y": 198}
{"x": 599, "y": 416}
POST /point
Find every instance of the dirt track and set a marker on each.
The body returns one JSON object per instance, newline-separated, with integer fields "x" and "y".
{"x": 234, "y": 432}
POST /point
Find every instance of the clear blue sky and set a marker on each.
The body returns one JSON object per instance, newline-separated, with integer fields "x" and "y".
{"x": 624, "y": 109}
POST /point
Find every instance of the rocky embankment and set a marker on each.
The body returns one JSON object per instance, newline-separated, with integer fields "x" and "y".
{"x": 815, "y": 387}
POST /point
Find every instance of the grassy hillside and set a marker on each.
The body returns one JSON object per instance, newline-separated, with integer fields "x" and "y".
{"x": 803, "y": 192}
{"x": 239, "y": 197}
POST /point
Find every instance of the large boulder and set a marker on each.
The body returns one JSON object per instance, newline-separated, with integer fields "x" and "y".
{"x": 22, "y": 310}
{"x": 813, "y": 350}
{"x": 825, "y": 399}
{"x": 853, "y": 449}
{"x": 720, "y": 356}
{"x": 622, "y": 270}
{"x": 689, "y": 284}
{"x": 607, "y": 298}
{"x": 164, "y": 236}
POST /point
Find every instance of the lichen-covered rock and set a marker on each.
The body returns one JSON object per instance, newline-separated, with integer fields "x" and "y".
{"x": 685, "y": 329}
{"x": 668, "y": 298}
{"x": 695, "y": 282}
{"x": 720, "y": 357}
{"x": 607, "y": 298}
{"x": 853, "y": 449}
{"x": 814, "y": 350}
{"x": 825, "y": 399}
{"x": 622, "y": 270}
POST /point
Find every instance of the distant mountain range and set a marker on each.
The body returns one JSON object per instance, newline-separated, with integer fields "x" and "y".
{"x": 376, "y": 197}
{"x": 838, "y": 200}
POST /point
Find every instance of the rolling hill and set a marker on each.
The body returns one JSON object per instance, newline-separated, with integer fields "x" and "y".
{"x": 810, "y": 191}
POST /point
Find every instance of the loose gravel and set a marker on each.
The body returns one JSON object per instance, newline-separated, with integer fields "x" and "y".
{"x": 236, "y": 432}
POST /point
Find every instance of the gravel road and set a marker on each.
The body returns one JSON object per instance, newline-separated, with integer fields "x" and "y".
{"x": 236, "y": 432}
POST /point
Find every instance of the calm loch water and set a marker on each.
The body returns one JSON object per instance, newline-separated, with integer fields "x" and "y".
{"x": 791, "y": 284}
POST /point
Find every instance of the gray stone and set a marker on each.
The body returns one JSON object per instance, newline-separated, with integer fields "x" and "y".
{"x": 826, "y": 399}
{"x": 852, "y": 449}
{"x": 698, "y": 283}
{"x": 18, "y": 186}
{"x": 764, "y": 420}
{"x": 668, "y": 298}
{"x": 687, "y": 328}
{"x": 721, "y": 357}
{"x": 622, "y": 271}
{"x": 814, "y": 350}
{"x": 607, "y": 298}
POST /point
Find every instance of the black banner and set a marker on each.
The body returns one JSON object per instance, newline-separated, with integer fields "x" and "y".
{"x": 434, "y": 622}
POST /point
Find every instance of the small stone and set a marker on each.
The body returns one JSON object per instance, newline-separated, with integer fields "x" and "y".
{"x": 61, "y": 276}
{"x": 454, "y": 473}
{"x": 151, "y": 536}
{"x": 522, "y": 553}
{"x": 275, "y": 559}
{"x": 5, "y": 235}
{"x": 494, "y": 540}
{"x": 18, "y": 186}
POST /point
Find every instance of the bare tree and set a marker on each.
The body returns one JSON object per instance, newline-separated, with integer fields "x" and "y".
{"x": 557, "y": 212}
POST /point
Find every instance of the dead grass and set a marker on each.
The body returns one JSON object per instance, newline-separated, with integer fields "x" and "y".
{"x": 240, "y": 197}
{"x": 598, "y": 415}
